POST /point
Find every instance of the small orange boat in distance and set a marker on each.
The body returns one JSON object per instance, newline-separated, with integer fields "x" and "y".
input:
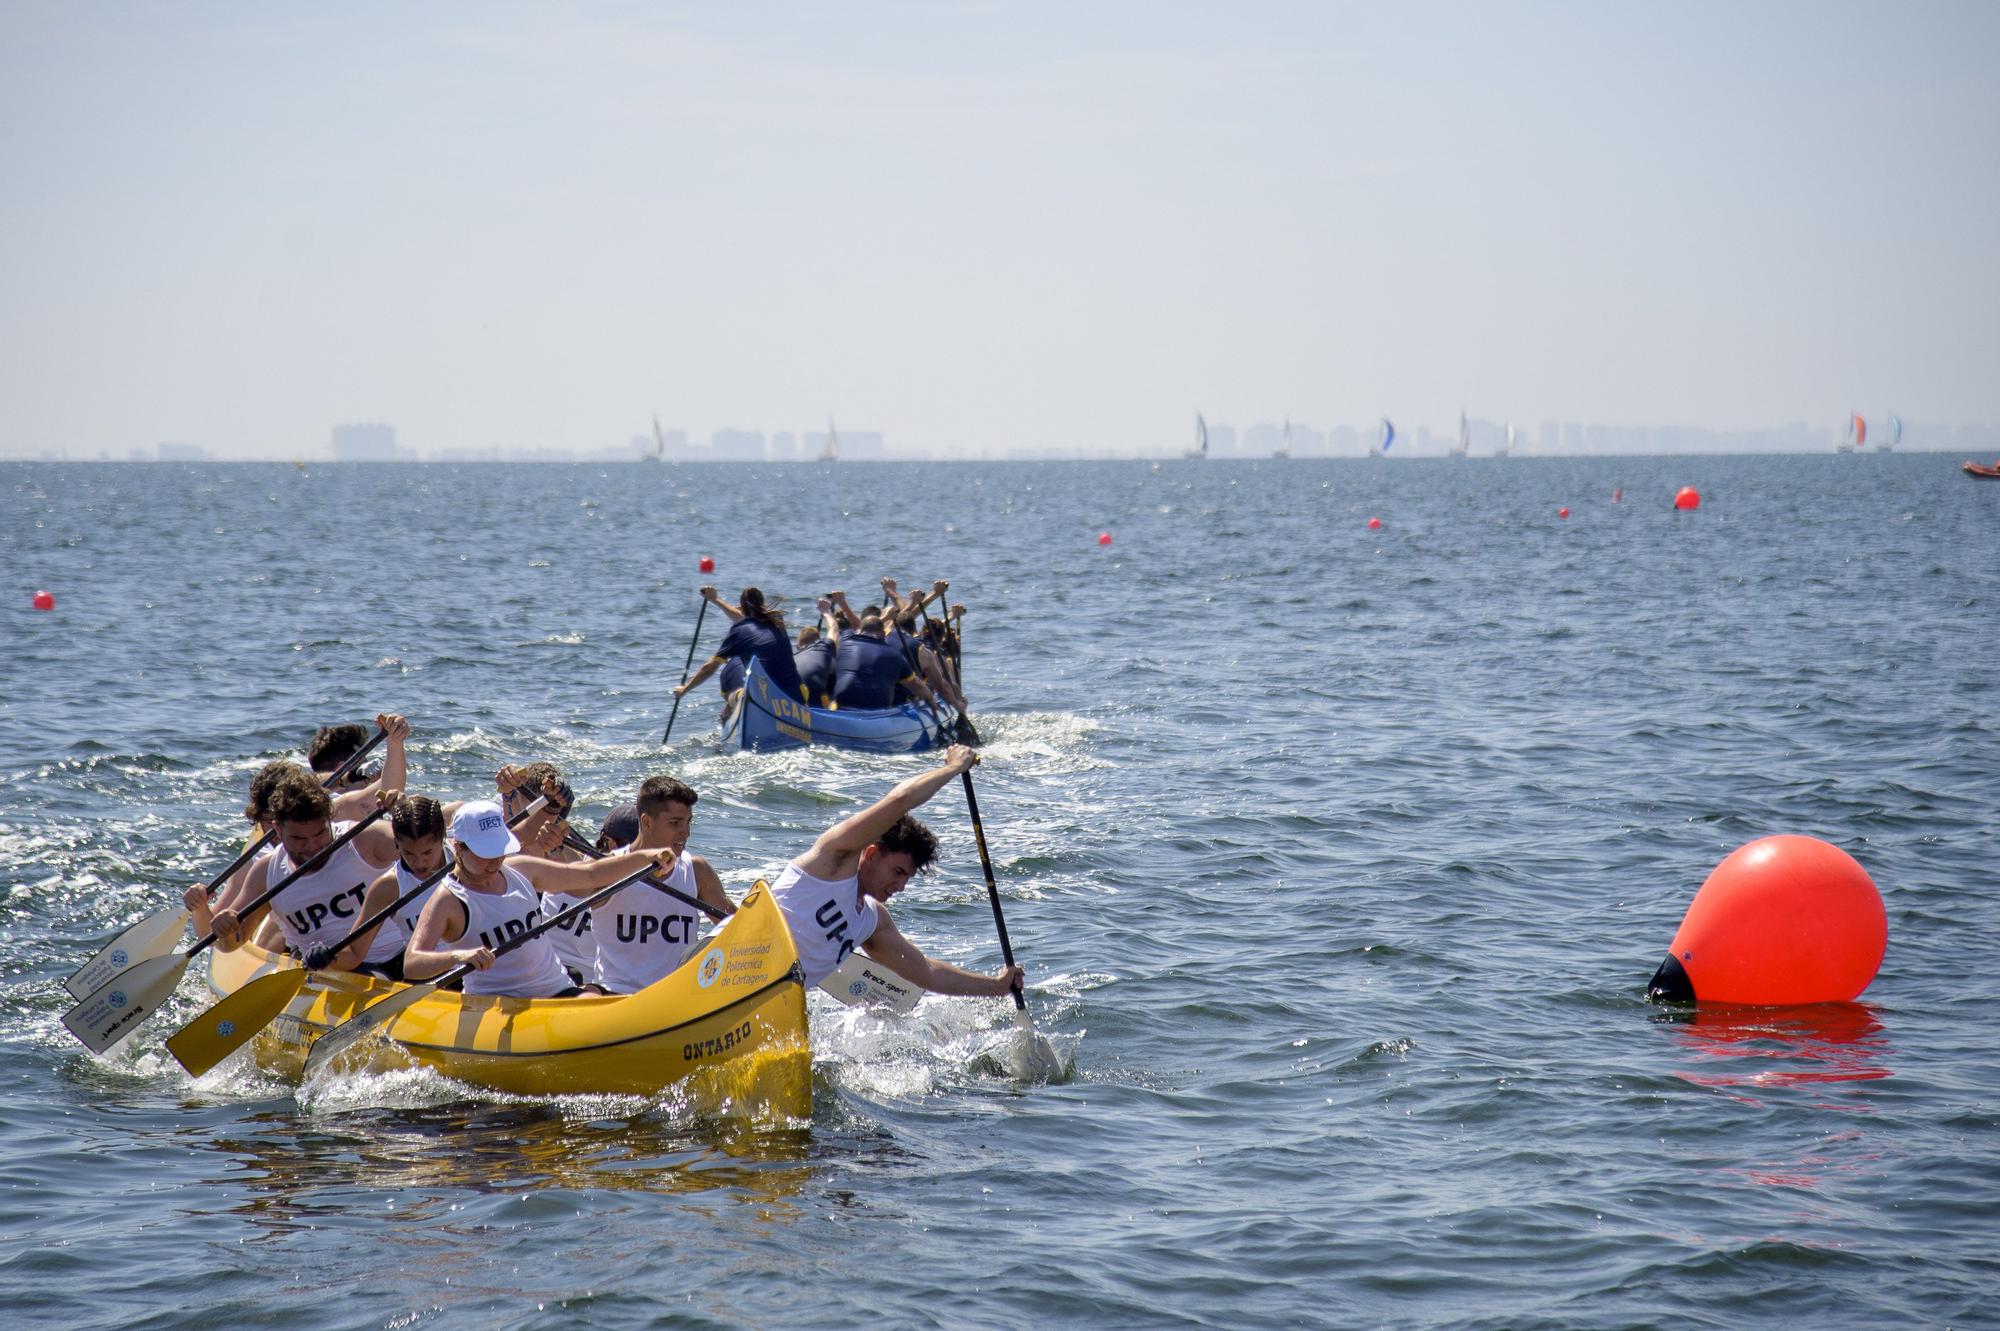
{"x": 1977, "y": 472}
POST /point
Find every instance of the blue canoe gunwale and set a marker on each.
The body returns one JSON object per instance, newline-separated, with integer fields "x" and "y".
{"x": 771, "y": 720}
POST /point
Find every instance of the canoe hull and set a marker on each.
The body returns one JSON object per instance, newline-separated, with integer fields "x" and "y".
{"x": 772, "y": 720}
{"x": 729, "y": 1026}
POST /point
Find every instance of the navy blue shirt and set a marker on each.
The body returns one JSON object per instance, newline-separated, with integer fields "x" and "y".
{"x": 815, "y": 663}
{"x": 865, "y": 671}
{"x": 753, "y": 637}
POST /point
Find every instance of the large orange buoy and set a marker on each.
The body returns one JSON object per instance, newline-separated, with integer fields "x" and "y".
{"x": 1785, "y": 919}
{"x": 1687, "y": 497}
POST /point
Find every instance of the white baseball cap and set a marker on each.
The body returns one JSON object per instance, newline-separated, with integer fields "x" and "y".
{"x": 483, "y": 829}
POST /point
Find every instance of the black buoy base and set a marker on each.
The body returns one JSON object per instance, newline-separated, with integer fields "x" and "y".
{"x": 1670, "y": 983}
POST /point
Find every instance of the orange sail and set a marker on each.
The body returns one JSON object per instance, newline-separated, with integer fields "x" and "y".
{"x": 1860, "y": 431}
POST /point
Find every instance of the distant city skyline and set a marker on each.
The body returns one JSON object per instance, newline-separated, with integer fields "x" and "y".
{"x": 379, "y": 443}
{"x": 983, "y": 229}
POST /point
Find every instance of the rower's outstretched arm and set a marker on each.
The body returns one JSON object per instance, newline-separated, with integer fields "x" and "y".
{"x": 588, "y": 876}
{"x": 708, "y": 667}
{"x": 888, "y": 946}
{"x": 735, "y": 612}
{"x": 832, "y": 854}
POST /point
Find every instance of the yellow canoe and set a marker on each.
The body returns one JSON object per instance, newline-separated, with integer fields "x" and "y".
{"x": 730, "y": 1023}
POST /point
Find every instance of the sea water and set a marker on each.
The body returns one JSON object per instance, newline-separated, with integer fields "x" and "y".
{"x": 1338, "y": 859}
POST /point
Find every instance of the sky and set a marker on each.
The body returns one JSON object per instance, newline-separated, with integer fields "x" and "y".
{"x": 984, "y": 226}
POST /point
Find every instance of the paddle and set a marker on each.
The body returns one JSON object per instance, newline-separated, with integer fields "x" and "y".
{"x": 1043, "y": 1063}
{"x": 229, "y": 1024}
{"x": 156, "y": 935}
{"x": 685, "y": 668}
{"x": 125, "y": 1000}
{"x": 576, "y": 842}
{"x": 385, "y": 1010}
{"x": 858, "y": 981}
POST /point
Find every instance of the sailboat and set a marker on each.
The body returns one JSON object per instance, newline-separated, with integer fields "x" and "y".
{"x": 1388, "y": 438}
{"x": 1857, "y": 434}
{"x": 1284, "y": 450}
{"x": 659, "y": 452}
{"x": 1895, "y": 434}
{"x": 831, "y": 452}
{"x": 1508, "y": 445}
{"x": 1200, "y": 449}
{"x": 1464, "y": 437}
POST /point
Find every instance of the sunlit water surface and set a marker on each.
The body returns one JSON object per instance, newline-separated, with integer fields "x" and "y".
{"x": 1338, "y": 858}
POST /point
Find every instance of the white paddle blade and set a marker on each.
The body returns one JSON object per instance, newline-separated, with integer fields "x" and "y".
{"x": 371, "y": 1018}
{"x": 154, "y": 936}
{"x": 1032, "y": 1056}
{"x": 112, "y": 1012}
{"x": 860, "y": 982}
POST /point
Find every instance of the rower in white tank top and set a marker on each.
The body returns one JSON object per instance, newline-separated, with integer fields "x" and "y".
{"x": 531, "y": 970}
{"x": 324, "y": 906}
{"x": 394, "y": 933}
{"x": 643, "y": 935}
{"x": 828, "y": 920}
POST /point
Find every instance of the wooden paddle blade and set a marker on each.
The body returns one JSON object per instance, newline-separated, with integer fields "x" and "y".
{"x": 233, "y": 1022}
{"x": 113, "y": 1011}
{"x": 151, "y": 937}
{"x": 373, "y": 1017}
{"x": 860, "y": 982}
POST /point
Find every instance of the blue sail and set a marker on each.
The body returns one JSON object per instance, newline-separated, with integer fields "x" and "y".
{"x": 1388, "y": 434}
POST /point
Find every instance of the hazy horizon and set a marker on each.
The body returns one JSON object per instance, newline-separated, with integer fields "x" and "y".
{"x": 515, "y": 228}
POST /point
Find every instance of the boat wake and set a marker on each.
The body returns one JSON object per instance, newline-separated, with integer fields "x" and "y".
{"x": 942, "y": 1045}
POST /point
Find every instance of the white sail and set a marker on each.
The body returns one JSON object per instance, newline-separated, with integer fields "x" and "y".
{"x": 1284, "y": 450}
{"x": 1200, "y": 449}
{"x": 831, "y": 451}
{"x": 1464, "y": 436}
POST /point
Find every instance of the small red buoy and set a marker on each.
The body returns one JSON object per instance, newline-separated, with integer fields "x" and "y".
{"x": 44, "y": 601}
{"x": 1374, "y": 524}
{"x": 1783, "y": 920}
{"x": 1104, "y": 538}
{"x": 1562, "y": 512}
{"x": 708, "y": 563}
{"x": 1617, "y": 496}
{"x": 1687, "y": 497}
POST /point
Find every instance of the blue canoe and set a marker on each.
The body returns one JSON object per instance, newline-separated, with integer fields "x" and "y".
{"x": 772, "y": 720}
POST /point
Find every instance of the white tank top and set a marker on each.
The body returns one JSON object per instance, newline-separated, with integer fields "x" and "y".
{"x": 827, "y": 920}
{"x": 394, "y": 933}
{"x": 575, "y": 942}
{"x": 531, "y": 970}
{"x": 643, "y": 934}
{"x": 324, "y": 906}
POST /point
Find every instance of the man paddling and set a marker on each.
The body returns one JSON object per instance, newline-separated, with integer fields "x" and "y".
{"x": 867, "y": 669}
{"x": 319, "y": 908}
{"x": 643, "y": 935}
{"x": 486, "y": 901}
{"x": 332, "y": 746}
{"x": 835, "y": 896}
